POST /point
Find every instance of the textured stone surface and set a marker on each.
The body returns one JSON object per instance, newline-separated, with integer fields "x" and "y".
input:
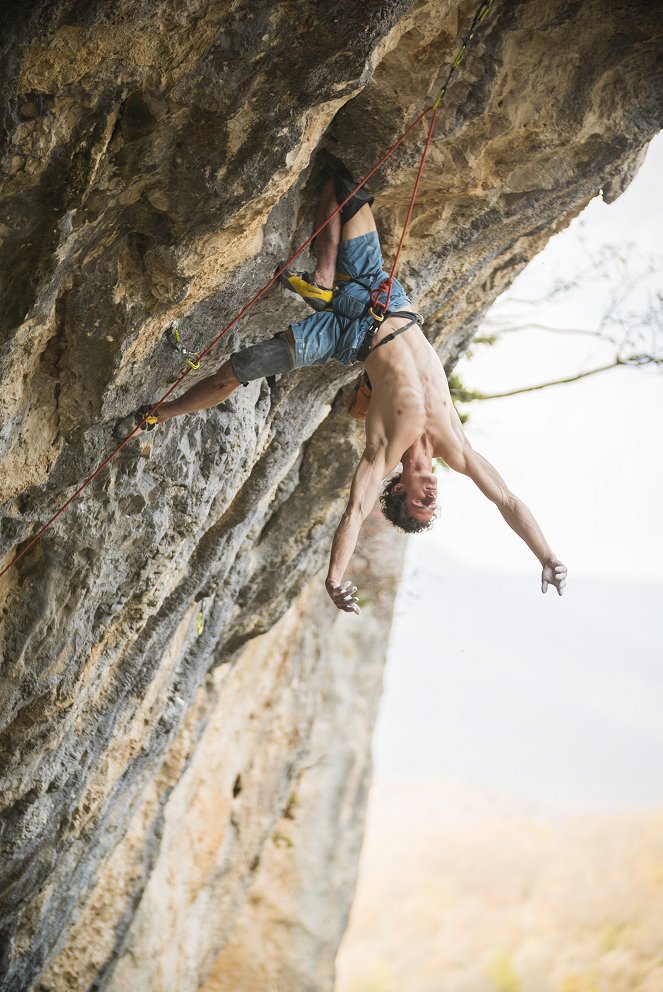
{"x": 286, "y": 733}
{"x": 156, "y": 161}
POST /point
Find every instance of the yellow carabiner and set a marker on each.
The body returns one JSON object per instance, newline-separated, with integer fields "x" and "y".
{"x": 376, "y": 316}
{"x": 459, "y": 57}
{"x": 439, "y": 97}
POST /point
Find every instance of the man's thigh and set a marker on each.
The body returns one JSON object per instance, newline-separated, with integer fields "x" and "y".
{"x": 363, "y": 222}
{"x": 361, "y": 258}
{"x": 315, "y": 338}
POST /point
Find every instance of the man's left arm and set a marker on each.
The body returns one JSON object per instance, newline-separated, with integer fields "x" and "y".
{"x": 519, "y": 518}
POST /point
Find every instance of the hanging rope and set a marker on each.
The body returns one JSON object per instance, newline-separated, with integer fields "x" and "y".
{"x": 481, "y": 13}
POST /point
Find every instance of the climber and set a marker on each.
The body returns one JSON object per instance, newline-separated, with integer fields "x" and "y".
{"x": 411, "y": 418}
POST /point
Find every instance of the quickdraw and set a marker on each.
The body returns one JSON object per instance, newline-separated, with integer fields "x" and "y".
{"x": 174, "y": 338}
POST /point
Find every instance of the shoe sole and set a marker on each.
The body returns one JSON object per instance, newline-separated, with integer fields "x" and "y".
{"x": 284, "y": 283}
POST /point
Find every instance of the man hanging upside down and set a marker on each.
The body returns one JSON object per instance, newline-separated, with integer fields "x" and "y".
{"x": 410, "y": 418}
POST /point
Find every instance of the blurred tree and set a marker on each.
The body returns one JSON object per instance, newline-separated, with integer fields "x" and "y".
{"x": 629, "y": 319}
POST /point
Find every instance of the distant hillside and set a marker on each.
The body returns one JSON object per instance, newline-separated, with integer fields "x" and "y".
{"x": 459, "y": 892}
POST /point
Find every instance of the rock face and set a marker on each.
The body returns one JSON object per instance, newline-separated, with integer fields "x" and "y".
{"x": 172, "y": 670}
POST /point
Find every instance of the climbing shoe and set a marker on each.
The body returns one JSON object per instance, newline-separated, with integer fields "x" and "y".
{"x": 142, "y": 417}
{"x": 304, "y": 285}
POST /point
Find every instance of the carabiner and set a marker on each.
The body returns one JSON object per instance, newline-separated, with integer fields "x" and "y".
{"x": 173, "y": 336}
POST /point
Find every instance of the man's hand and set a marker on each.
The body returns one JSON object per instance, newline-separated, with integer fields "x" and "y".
{"x": 343, "y": 595}
{"x": 554, "y": 573}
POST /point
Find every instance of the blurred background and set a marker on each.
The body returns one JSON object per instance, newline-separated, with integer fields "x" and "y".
{"x": 514, "y": 838}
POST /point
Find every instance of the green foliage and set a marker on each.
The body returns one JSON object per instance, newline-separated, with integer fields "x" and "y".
{"x": 460, "y": 393}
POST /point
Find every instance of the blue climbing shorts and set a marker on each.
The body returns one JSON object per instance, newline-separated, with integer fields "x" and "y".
{"x": 324, "y": 335}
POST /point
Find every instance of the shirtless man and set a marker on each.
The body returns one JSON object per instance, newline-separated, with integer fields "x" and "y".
{"x": 410, "y": 418}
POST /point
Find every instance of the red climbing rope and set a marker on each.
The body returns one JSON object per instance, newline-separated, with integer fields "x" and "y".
{"x": 390, "y": 280}
{"x": 479, "y": 16}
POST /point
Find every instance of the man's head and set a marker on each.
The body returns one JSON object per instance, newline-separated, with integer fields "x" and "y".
{"x": 409, "y": 501}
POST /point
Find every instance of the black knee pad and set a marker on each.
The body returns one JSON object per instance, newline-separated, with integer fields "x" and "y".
{"x": 343, "y": 186}
{"x": 264, "y": 359}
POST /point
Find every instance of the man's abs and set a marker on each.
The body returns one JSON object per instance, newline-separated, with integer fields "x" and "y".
{"x": 410, "y": 391}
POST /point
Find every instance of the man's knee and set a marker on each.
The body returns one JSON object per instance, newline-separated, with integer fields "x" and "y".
{"x": 264, "y": 359}
{"x": 225, "y": 376}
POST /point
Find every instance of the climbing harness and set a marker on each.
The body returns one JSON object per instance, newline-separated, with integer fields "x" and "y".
{"x": 349, "y": 309}
{"x": 378, "y": 310}
{"x": 174, "y": 338}
{"x": 415, "y": 318}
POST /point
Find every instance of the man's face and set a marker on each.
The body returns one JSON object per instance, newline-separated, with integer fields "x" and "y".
{"x": 420, "y": 495}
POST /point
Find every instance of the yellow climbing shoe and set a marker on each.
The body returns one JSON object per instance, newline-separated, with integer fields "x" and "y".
{"x": 142, "y": 418}
{"x": 303, "y": 284}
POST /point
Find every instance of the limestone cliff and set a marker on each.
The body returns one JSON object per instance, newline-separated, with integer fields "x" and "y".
{"x": 172, "y": 671}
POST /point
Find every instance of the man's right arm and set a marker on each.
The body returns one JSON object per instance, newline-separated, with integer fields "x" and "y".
{"x": 363, "y": 494}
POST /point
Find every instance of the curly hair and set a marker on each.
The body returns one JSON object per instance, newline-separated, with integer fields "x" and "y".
{"x": 393, "y": 508}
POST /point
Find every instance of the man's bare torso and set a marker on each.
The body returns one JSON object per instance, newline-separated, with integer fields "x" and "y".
{"x": 410, "y": 396}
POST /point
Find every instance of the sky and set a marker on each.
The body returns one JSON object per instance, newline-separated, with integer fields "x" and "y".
{"x": 556, "y": 702}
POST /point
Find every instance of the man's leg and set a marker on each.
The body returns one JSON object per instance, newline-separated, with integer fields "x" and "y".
{"x": 270, "y": 357}
{"x": 206, "y": 393}
{"x": 317, "y": 287}
{"x": 267, "y": 358}
{"x": 355, "y": 219}
{"x": 327, "y": 242}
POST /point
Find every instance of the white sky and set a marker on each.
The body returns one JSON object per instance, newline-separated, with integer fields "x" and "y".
{"x": 556, "y": 701}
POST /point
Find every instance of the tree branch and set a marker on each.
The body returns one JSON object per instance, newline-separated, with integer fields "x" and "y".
{"x": 467, "y": 394}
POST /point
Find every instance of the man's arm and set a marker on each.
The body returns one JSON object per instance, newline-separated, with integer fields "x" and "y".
{"x": 519, "y": 518}
{"x": 363, "y": 493}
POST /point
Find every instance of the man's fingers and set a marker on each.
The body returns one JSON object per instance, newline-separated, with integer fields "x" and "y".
{"x": 344, "y": 597}
{"x": 554, "y": 573}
